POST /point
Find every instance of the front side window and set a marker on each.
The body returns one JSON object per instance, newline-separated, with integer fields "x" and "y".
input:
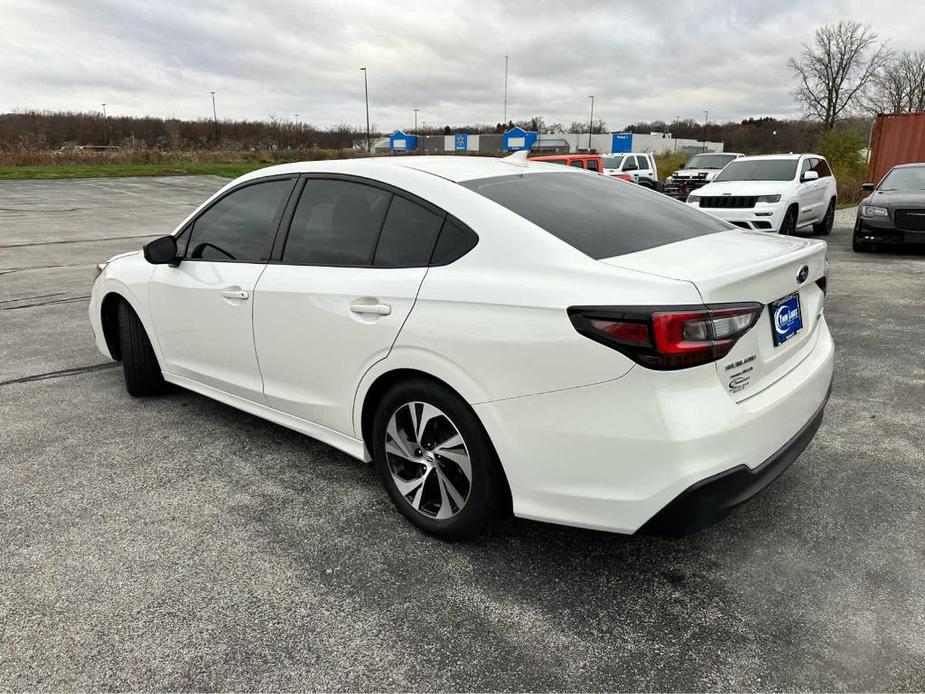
{"x": 408, "y": 235}
{"x": 604, "y": 217}
{"x": 240, "y": 227}
{"x": 612, "y": 162}
{"x": 336, "y": 223}
{"x": 821, "y": 167}
{"x": 592, "y": 165}
{"x": 806, "y": 166}
{"x": 759, "y": 170}
{"x": 577, "y": 164}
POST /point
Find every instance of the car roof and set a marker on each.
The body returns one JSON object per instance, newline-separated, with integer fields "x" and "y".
{"x": 449, "y": 167}
{"x": 547, "y": 157}
{"x": 784, "y": 157}
{"x": 910, "y": 165}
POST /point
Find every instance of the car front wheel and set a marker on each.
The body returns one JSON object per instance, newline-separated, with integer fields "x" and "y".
{"x": 437, "y": 462}
{"x": 139, "y": 363}
{"x": 824, "y": 228}
{"x": 789, "y": 226}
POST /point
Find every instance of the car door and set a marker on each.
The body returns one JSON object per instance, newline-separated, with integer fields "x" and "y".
{"x": 332, "y": 306}
{"x": 202, "y": 308}
{"x": 631, "y": 167}
{"x": 806, "y": 194}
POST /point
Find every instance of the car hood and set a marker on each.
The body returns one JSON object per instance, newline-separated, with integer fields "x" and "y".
{"x": 128, "y": 254}
{"x": 897, "y": 198}
{"x": 743, "y": 188}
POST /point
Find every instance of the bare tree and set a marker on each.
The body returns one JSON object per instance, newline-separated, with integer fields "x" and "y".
{"x": 834, "y": 71}
{"x": 900, "y": 86}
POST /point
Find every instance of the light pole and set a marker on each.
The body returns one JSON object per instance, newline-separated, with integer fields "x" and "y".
{"x": 105, "y": 124}
{"x": 369, "y": 147}
{"x": 706, "y": 117}
{"x": 505, "y": 91}
{"x": 214, "y": 117}
{"x": 773, "y": 135}
{"x": 298, "y": 126}
{"x": 591, "y": 123}
{"x": 415, "y": 121}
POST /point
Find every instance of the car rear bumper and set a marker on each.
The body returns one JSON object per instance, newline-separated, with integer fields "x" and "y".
{"x": 613, "y": 455}
{"x": 711, "y": 499}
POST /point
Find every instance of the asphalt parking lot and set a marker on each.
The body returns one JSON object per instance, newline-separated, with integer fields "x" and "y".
{"x": 176, "y": 543}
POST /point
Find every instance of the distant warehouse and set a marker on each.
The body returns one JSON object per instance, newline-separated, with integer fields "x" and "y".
{"x": 517, "y": 139}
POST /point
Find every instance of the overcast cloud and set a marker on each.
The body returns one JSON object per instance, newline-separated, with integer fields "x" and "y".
{"x": 642, "y": 60}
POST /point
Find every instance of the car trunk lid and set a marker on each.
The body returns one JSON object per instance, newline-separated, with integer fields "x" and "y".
{"x": 744, "y": 266}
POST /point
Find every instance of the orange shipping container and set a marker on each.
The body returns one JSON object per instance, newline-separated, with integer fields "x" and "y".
{"x": 898, "y": 138}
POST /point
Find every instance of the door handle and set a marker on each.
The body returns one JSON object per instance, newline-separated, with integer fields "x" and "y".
{"x": 238, "y": 294}
{"x": 374, "y": 309}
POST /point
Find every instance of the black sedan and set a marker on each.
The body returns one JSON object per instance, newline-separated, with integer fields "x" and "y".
{"x": 894, "y": 212}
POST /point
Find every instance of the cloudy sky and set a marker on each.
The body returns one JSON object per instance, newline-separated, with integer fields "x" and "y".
{"x": 645, "y": 60}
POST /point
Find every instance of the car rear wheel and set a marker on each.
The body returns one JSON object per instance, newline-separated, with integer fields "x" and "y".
{"x": 824, "y": 228}
{"x": 436, "y": 461}
{"x": 789, "y": 226}
{"x": 139, "y": 363}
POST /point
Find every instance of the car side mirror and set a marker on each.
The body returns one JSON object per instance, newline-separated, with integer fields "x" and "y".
{"x": 810, "y": 176}
{"x": 162, "y": 251}
{"x": 867, "y": 187}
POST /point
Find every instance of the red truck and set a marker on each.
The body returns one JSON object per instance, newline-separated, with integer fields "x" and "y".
{"x": 591, "y": 162}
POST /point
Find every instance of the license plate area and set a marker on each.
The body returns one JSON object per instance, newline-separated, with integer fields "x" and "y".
{"x": 786, "y": 318}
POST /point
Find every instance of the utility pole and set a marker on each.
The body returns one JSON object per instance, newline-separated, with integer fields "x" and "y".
{"x": 706, "y": 117}
{"x": 773, "y": 135}
{"x": 415, "y": 121}
{"x": 505, "y": 91}
{"x": 105, "y": 124}
{"x": 214, "y": 117}
{"x": 591, "y": 124}
{"x": 35, "y": 131}
{"x": 369, "y": 147}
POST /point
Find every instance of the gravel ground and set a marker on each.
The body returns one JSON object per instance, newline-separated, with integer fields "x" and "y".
{"x": 175, "y": 543}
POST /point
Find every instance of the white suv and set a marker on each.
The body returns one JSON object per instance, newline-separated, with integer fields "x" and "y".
{"x": 638, "y": 167}
{"x": 772, "y": 193}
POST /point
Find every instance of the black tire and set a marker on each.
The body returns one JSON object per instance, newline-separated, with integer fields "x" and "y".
{"x": 139, "y": 363}
{"x": 788, "y": 227}
{"x": 824, "y": 228}
{"x": 488, "y": 497}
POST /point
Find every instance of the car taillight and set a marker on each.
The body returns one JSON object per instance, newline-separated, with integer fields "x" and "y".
{"x": 670, "y": 337}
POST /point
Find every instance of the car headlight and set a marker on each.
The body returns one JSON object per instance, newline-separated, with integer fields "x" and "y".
{"x": 693, "y": 198}
{"x": 874, "y": 211}
{"x": 768, "y": 198}
{"x": 670, "y": 179}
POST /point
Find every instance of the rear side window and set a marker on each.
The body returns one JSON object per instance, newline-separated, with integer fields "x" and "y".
{"x": 602, "y": 217}
{"x": 408, "y": 235}
{"x": 577, "y": 164}
{"x": 821, "y": 167}
{"x": 336, "y": 223}
{"x": 240, "y": 227}
{"x": 592, "y": 165}
{"x": 454, "y": 242}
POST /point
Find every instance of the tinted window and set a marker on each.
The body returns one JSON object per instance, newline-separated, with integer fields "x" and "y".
{"x": 629, "y": 164}
{"x": 408, "y": 235}
{"x": 592, "y": 165}
{"x": 241, "y": 225}
{"x": 183, "y": 241}
{"x": 577, "y": 164}
{"x": 604, "y": 217}
{"x": 821, "y": 167}
{"x": 759, "y": 170}
{"x": 336, "y": 223}
{"x": 454, "y": 242}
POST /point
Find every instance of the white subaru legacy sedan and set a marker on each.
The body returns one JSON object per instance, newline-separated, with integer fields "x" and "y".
{"x": 494, "y": 335}
{"x": 780, "y": 193}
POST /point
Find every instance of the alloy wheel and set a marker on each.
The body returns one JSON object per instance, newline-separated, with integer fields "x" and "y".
{"x": 428, "y": 460}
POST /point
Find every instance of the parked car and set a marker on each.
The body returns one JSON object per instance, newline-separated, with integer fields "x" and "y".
{"x": 698, "y": 171}
{"x": 638, "y": 167}
{"x": 894, "y": 212}
{"x": 781, "y": 192}
{"x": 591, "y": 162}
{"x": 494, "y": 335}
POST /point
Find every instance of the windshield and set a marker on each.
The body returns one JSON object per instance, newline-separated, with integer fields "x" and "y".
{"x": 709, "y": 161}
{"x": 759, "y": 170}
{"x": 600, "y": 216}
{"x": 612, "y": 162}
{"x": 912, "y": 178}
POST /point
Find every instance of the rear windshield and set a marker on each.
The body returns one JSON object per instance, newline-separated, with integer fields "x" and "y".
{"x": 759, "y": 170}
{"x": 600, "y": 216}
